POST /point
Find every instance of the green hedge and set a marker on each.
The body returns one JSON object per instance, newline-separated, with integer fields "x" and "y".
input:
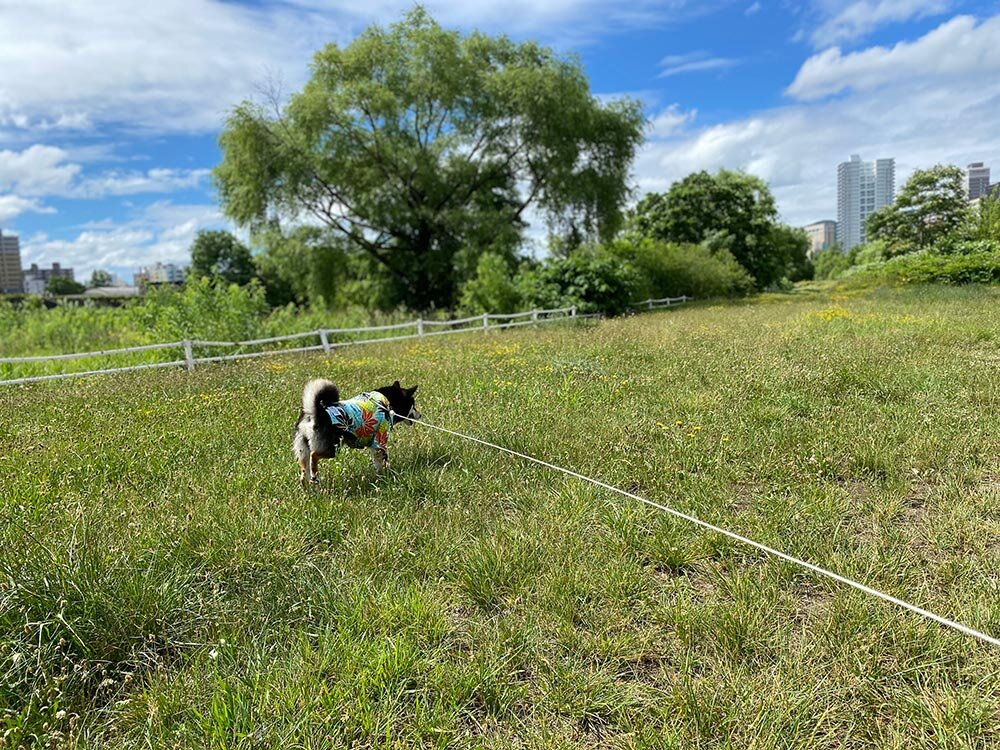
{"x": 927, "y": 267}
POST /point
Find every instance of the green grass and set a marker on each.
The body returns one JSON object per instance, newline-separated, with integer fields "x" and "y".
{"x": 164, "y": 582}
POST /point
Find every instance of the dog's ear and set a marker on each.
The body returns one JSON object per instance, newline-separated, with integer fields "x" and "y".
{"x": 397, "y": 385}
{"x": 411, "y": 391}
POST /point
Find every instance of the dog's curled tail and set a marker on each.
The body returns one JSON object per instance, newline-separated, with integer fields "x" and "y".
{"x": 319, "y": 394}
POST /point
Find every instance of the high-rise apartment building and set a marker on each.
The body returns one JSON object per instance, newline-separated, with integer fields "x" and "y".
{"x": 863, "y": 187}
{"x": 822, "y": 234}
{"x": 10, "y": 264}
{"x": 977, "y": 180}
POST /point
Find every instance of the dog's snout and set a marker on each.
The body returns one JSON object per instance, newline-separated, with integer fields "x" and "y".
{"x": 414, "y": 414}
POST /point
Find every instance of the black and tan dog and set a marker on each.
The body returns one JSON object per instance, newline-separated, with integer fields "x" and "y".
{"x": 360, "y": 422}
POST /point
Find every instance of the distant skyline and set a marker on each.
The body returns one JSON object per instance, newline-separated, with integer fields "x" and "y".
{"x": 110, "y": 111}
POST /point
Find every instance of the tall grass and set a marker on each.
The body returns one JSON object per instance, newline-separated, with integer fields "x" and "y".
{"x": 164, "y": 582}
{"x": 200, "y": 310}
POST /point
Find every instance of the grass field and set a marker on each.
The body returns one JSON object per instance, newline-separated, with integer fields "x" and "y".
{"x": 164, "y": 582}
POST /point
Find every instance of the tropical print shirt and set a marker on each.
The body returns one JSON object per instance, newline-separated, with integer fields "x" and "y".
{"x": 366, "y": 419}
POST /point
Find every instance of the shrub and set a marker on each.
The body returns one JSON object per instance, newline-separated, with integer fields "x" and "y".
{"x": 830, "y": 263}
{"x": 492, "y": 289}
{"x": 670, "y": 270}
{"x": 959, "y": 246}
{"x": 204, "y": 309}
{"x": 591, "y": 278}
{"x": 875, "y": 251}
{"x": 928, "y": 267}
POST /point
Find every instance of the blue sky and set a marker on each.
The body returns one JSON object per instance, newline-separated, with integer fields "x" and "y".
{"x": 110, "y": 110}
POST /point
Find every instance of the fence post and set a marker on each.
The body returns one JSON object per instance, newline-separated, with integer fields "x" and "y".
{"x": 534, "y": 316}
{"x": 325, "y": 340}
{"x": 188, "y": 355}
{"x": 649, "y": 303}
{"x": 572, "y": 311}
{"x": 420, "y": 327}
{"x": 486, "y": 321}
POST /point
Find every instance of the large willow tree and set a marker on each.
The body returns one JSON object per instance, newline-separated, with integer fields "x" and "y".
{"x": 424, "y": 147}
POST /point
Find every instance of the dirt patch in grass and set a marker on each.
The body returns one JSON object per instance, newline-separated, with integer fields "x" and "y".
{"x": 745, "y": 495}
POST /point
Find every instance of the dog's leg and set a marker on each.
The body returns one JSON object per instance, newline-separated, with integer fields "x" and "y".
{"x": 380, "y": 458}
{"x": 304, "y": 471}
{"x": 314, "y": 468}
{"x": 300, "y": 448}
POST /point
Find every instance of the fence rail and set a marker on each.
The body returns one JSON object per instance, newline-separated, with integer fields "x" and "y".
{"x": 476, "y": 323}
{"x": 656, "y": 304}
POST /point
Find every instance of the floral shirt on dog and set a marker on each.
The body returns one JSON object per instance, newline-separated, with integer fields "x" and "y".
{"x": 366, "y": 419}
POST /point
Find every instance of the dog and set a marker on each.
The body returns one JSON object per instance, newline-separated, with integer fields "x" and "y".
{"x": 360, "y": 422}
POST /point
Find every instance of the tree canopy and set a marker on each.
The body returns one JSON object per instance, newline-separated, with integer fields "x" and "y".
{"x": 728, "y": 209}
{"x": 61, "y": 285}
{"x": 217, "y": 254}
{"x": 307, "y": 264}
{"x": 424, "y": 148}
{"x": 789, "y": 246}
{"x": 100, "y": 278}
{"x": 931, "y": 206}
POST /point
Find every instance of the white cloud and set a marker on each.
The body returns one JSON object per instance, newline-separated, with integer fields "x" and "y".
{"x": 954, "y": 49}
{"x": 182, "y": 65}
{"x": 670, "y": 120}
{"x": 12, "y": 206}
{"x": 692, "y": 62}
{"x": 130, "y": 183}
{"x": 90, "y": 249}
{"x": 43, "y": 171}
{"x": 905, "y": 109}
{"x": 38, "y": 170}
{"x": 858, "y": 19}
{"x": 161, "y": 66}
{"x": 161, "y": 232}
{"x": 752, "y": 9}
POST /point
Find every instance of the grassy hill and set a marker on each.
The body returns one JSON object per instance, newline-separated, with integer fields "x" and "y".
{"x": 165, "y": 582}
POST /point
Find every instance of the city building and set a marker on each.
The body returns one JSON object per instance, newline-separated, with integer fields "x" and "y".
{"x": 822, "y": 234}
{"x": 36, "y": 279}
{"x": 33, "y": 285}
{"x": 977, "y": 180}
{"x": 10, "y": 264}
{"x": 863, "y": 187}
{"x": 160, "y": 273}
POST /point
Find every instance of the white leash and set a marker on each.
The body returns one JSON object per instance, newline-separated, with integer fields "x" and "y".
{"x": 732, "y": 535}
